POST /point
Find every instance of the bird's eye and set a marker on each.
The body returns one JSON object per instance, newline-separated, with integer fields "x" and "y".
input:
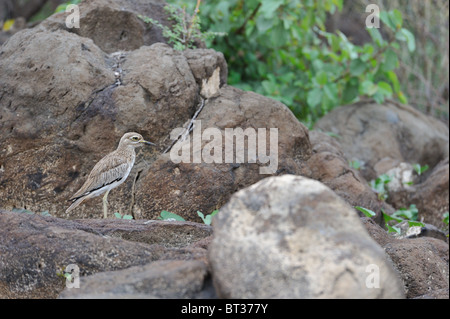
{"x": 135, "y": 138}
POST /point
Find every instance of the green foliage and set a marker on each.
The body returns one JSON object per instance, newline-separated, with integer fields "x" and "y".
{"x": 119, "y": 216}
{"x": 403, "y": 214}
{"x": 26, "y": 211}
{"x": 420, "y": 169}
{"x": 281, "y": 49}
{"x": 410, "y": 213}
{"x": 445, "y": 220}
{"x": 379, "y": 186}
{"x": 165, "y": 215}
{"x": 208, "y": 219}
{"x": 62, "y": 7}
{"x": 369, "y": 213}
{"x": 185, "y": 30}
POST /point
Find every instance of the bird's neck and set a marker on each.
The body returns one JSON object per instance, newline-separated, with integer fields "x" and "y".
{"x": 126, "y": 150}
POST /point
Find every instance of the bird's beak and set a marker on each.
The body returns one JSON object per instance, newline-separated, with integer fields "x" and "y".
{"x": 147, "y": 142}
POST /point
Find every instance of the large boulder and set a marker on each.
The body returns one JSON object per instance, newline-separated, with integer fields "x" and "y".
{"x": 81, "y": 114}
{"x": 153, "y": 90}
{"x": 329, "y": 165}
{"x": 292, "y": 237}
{"x": 185, "y": 187}
{"x": 114, "y": 25}
{"x": 370, "y": 133}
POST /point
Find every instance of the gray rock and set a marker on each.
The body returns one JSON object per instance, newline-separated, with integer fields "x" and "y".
{"x": 371, "y": 132}
{"x": 35, "y": 250}
{"x": 292, "y": 237}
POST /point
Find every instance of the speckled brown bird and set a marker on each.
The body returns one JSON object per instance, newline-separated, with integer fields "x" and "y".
{"x": 111, "y": 171}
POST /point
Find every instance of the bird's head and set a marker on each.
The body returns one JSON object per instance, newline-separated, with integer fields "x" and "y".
{"x": 134, "y": 140}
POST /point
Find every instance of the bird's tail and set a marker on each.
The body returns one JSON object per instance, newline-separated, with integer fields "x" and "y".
{"x": 75, "y": 203}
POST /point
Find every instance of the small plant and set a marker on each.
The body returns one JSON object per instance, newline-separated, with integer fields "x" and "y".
{"x": 165, "y": 215}
{"x": 410, "y": 213}
{"x": 403, "y": 214}
{"x": 355, "y": 164}
{"x": 379, "y": 186}
{"x": 186, "y": 30}
{"x": 369, "y": 213}
{"x": 445, "y": 220}
{"x": 208, "y": 219}
{"x": 119, "y": 216}
{"x": 420, "y": 169}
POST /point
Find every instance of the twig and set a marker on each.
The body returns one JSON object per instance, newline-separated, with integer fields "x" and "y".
{"x": 189, "y": 127}
{"x": 196, "y": 11}
{"x": 250, "y": 17}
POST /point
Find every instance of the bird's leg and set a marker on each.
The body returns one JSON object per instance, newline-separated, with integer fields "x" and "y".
{"x": 105, "y": 204}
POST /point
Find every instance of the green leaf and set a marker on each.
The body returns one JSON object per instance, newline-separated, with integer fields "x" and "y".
{"x": 369, "y": 213}
{"x": 384, "y": 88}
{"x": 406, "y": 35}
{"x": 117, "y": 215}
{"x": 376, "y": 36}
{"x": 388, "y": 218}
{"x": 314, "y": 97}
{"x": 321, "y": 78}
{"x": 410, "y": 213}
{"x": 415, "y": 223}
{"x": 331, "y": 92}
{"x": 396, "y": 18}
{"x": 357, "y": 67}
{"x": 393, "y": 229}
{"x": 127, "y": 217}
{"x": 390, "y": 61}
{"x": 269, "y": 7}
{"x": 168, "y": 215}
{"x": 445, "y": 216}
{"x": 385, "y": 17}
{"x": 368, "y": 87}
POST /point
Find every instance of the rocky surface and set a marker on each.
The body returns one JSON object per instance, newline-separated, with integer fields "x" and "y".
{"x": 369, "y": 133}
{"x": 68, "y": 95}
{"x": 35, "y": 250}
{"x": 160, "y": 279}
{"x": 421, "y": 262}
{"x": 292, "y": 237}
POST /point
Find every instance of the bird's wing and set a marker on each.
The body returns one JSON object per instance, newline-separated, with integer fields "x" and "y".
{"x": 108, "y": 170}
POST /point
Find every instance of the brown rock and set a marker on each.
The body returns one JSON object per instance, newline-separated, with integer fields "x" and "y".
{"x": 35, "y": 249}
{"x": 185, "y": 188}
{"x": 422, "y": 263}
{"x": 328, "y": 165}
{"x": 370, "y": 132}
{"x": 432, "y": 196}
{"x": 292, "y": 237}
{"x": 160, "y": 279}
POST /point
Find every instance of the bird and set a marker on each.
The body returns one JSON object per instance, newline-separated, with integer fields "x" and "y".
{"x": 111, "y": 171}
